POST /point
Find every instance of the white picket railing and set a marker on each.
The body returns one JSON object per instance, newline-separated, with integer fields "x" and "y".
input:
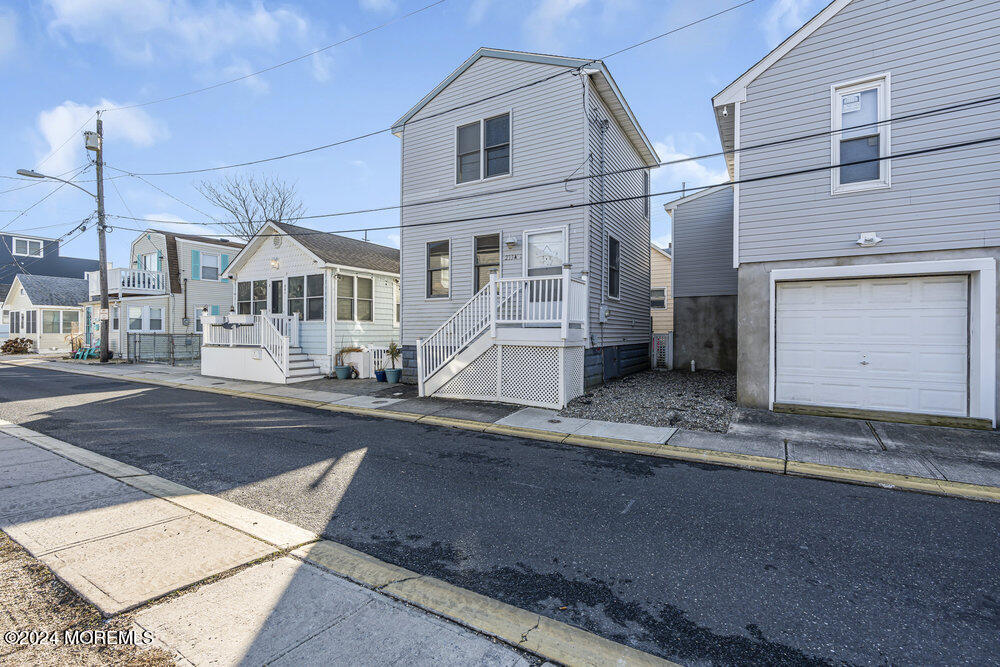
{"x": 273, "y": 333}
{"x": 287, "y": 325}
{"x": 273, "y": 341}
{"x": 533, "y": 301}
{"x": 133, "y": 281}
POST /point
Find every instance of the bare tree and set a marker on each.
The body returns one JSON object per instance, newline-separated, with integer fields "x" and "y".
{"x": 250, "y": 199}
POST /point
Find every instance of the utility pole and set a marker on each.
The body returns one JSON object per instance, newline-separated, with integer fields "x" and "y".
{"x": 102, "y": 246}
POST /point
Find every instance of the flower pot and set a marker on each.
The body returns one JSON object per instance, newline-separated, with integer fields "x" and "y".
{"x": 343, "y": 372}
{"x": 380, "y": 376}
{"x": 393, "y": 374}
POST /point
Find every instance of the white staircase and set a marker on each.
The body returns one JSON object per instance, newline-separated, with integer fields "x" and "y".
{"x": 301, "y": 366}
{"x": 276, "y": 337}
{"x": 517, "y": 340}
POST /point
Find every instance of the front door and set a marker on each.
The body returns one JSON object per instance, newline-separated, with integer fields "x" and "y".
{"x": 277, "y": 297}
{"x": 545, "y": 254}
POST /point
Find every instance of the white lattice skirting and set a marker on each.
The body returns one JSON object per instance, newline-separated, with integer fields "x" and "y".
{"x": 547, "y": 377}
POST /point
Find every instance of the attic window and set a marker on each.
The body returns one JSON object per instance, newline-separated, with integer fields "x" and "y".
{"x": 27, "y": 247}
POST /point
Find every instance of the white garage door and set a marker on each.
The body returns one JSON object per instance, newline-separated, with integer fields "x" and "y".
{"x": 892, "y": 344}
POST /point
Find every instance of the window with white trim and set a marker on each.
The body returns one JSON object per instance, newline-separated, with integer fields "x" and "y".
{"x": 135, "y": 318}
{"x": 658, "y": 298}
{"x": 438, "y": 269}
{"x": 115, "y": 314}
{"x": 614, "y": 259}
{"x": 314, "y": 297}
{"x": 149, "y": 261}
{"x": 209, "y": 266}
{"x": 60, "y": 321}
{"x": 31, "y": 321}
{"x": 483, "y": 149}
{"x": 27, "y": 247}
{"x": 155, "y": 318}
{"x": 860, "y": 136}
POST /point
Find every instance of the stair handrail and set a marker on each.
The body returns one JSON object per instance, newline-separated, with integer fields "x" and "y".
{"x": 464, "y": 326}
{"x": 272, "y": 340}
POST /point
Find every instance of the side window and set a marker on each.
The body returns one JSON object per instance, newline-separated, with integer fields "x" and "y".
{"x": 28, "y": 247}
{"x": 614, "y": 267}
{"x": 135, "y": 318}
{"x": 70, "y": 322}
{"x": 658, "y": 298}
{"x": 438, "y": 269}
{"x": 487, "y": 258}
{"x": 314, "y": 297}
{"x": 50, "y": 321}
{"x": 155, "y": 318}
{"x": 296, "y": 295}
{"x": 365, "y": 306}
{"x": 243, "y": 301}
{"x": 861, "y": 136}
{"x": 209, "y": 266}
{"x": 345, "y": 297}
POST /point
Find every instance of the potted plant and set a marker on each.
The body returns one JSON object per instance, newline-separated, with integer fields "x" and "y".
{"x": 393, "y": 352}
{"x": 343, "y": 369}
{"x": 380, "y": 372}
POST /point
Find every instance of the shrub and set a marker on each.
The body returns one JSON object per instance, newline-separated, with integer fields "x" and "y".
{"x": 16, "y": 346}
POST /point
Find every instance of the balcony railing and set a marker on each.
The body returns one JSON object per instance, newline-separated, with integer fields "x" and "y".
{"x": 129, "y": 281}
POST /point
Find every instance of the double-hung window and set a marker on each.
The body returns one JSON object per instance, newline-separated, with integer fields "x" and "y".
{"x": 155, "y": 318}
{"x": 483, "y": 149}
{"x": 658, "y": 298}
{"x": 487, "y": 259}
{"x": 314, "y": 296}
{"x": 438, "y": 269}
{"x": 210, "y": 266}
{"x": 15, "y": 321}
{"x": 345, "y": 297}
{"x": 50, "y": 322}
{"x": 354, "y": 298}
{"x": 614, "y": 267}
{"x": 135, "y": 318}
{"x": 31, "y": 322}
{"x": 860, "y": 135}
{"x": 27, "y": 247}
{"x": 296, "y": 296}
{"x": 115, "y": 314}
{"x": 149, "y": 261}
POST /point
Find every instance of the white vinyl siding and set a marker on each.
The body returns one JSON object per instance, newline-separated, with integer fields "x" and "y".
{"x": 939, "y": 53}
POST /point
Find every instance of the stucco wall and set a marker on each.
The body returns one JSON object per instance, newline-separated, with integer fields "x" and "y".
{"x": 705, "y": 331}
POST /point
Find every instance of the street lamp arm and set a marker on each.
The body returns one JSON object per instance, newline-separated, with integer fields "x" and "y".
{"x": 34, "y": 174}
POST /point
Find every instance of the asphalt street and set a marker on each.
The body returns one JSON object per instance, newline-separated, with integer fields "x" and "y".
{"x": 696, "y": 563}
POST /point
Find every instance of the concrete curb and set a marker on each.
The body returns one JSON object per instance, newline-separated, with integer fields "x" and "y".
{"x": 545, "y": 637}
{"x": 862, "y": 477}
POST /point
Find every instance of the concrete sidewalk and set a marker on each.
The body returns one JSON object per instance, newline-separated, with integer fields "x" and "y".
{"x": 945, "y": 461}
{"x": 121, "y": 548}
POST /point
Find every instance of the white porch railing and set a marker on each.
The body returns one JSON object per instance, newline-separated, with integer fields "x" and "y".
{"x": 129, "y": 281}
{"x": 533, "y": 301}
{"x": 273, "y": 333}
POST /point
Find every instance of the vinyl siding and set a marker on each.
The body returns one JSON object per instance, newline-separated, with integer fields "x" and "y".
{"x": 938, "y": 52}
{"x": 660, "y": 276}
{"x": 703, "y": 246}
{"x": 547, "y": 143}
{"x": 629, "y": 319}
{"x": 43, "y": 342}
{"x": 199, "y": 292}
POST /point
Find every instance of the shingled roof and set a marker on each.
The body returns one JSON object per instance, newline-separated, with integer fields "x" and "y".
{"x": 342, "y": 250}
{"x": 54, "y": 291}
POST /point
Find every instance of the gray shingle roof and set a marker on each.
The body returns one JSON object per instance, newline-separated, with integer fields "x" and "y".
{"x": 345, "y": 251}
{"x": 53, "y": 291}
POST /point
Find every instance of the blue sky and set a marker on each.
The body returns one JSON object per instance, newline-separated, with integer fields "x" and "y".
{"x": 61, "y": 59}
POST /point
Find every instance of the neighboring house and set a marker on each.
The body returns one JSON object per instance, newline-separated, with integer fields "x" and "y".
{"x": 661, "y": 301}
{"x": 35, "y": 255}
{"x": 169, "y": 279}
{"x": 302, "y": 296}
{"x": 4, "y": 315}
{"x": 571, "y": 304}
{"x": 705, "y": 282}
{"x": 869, "y": 290}
{"x": 46, "y": 310}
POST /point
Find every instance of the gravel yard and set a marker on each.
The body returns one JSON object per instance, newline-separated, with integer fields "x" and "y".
{"x": 702, "y": 401}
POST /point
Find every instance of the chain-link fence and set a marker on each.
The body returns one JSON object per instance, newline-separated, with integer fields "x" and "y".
{"x": 164, "y": 348}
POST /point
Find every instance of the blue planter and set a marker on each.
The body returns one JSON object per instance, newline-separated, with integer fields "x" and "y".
{"x": 343, "y": 372}
{"x": 393, "y": 374}
{"x": 380, "y": 376}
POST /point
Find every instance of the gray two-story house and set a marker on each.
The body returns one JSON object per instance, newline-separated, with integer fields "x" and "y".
{"x": 521, "y": 280}
{"x": 866, "y": 247}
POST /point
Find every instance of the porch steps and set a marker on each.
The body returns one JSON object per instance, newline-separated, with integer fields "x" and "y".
{"x": 301, "y": 366}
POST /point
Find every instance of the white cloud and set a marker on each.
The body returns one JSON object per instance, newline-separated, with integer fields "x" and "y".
{"x": 689, "y": 174}
{"x": 378, "y": 5}
{"x": 786, "y": 16}
{"x": 240, "y": 67}
{"x": 56, "y": 125}
{"x": 392, "y": 240}
{"x": 550, "y": 21}
{"x": 8, "y": 33}
{"x": 145, "y": 31}
{"x": 477, "y": 11}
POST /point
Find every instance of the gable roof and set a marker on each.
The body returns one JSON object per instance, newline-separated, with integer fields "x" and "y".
{"x": 342, "y": 250}
{"x": 53, "y": 291}
{"x": 666, "y": 252}
{"x": 671, "y": 205}
{"x": 725, "y": 100}
{"x": 173, "y": 262}
{"x": 604, "y": 84}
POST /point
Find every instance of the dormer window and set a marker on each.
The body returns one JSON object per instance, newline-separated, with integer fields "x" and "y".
{"x": 483, "y": 149}
{"x": 27, "y": 247}
{"x": 860, "y": 134}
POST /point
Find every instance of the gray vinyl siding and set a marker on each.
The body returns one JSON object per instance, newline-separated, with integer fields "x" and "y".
{"x": 938, "y": 52}
{"x": 703, "y": 246}
{"x": 629, "y": 319}
{"x": 547, "y": 143}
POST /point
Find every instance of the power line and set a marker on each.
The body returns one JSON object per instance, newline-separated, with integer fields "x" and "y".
{"x": 52, "y": 192}
{"x": 618, "y": 200}
{"x": 449, "y": 110}
{"x": 62, "y": 239}
{"x": 952, "y": 108}
{"x": 281, "y": 64}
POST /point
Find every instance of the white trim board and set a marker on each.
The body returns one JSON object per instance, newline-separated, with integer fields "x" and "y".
{"x": 982, "y": 316}
{"x": 671, "y": 205}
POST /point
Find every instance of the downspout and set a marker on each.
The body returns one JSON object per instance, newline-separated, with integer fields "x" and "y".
{"x": 587, "y": 157}
{"x": 603, "y": 124}
{"x": 185, "y": 290}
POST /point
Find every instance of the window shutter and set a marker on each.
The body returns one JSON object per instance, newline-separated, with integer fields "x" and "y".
{"x": 195, "y": 265}
{"x": 159, "y": 260}
{"x": 138, "y": 264}
{"x": 223, "y": 265}
{"x": 215, "y": 310}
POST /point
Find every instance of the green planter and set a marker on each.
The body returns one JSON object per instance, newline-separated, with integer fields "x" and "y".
{"x": 343, "y": 372}
{"x": 393, "y": 374}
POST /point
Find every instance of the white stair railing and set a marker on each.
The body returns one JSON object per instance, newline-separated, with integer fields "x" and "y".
{"x": 463, "y": 327}
{"x": 272, "y": 340}
{"x": 287, "y": 325}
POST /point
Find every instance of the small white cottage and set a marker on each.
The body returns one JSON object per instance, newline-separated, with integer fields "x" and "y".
{"x": 301, "y": 297}
{"x": 46, "y": 310}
